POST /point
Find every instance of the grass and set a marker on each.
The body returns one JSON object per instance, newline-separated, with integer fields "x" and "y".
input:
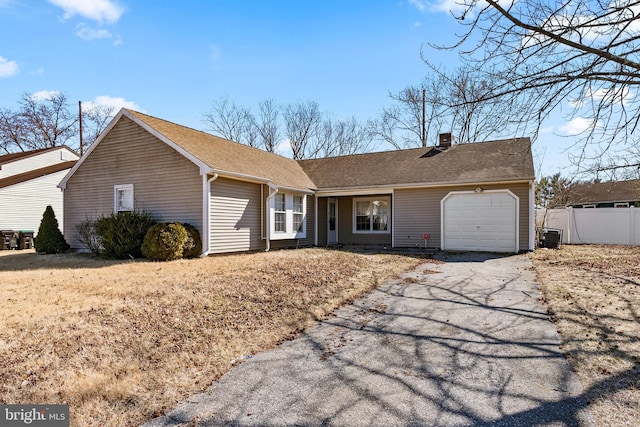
{"x": 593, "y": 295}
{"x": 122, "y": 342}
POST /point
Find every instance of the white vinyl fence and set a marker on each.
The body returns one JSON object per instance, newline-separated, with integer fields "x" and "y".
{"x": 618, "y": 226}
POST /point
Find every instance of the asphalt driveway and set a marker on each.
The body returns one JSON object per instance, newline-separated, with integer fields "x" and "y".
{"x": 462, "y": 343}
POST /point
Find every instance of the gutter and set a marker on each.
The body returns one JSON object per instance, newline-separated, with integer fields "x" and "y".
{"x": 390, "y": 188}
{"x": 206, "y": 213}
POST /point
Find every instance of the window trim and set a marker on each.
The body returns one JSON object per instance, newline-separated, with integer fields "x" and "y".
{"x": 621, "y": 205}
{"x": 116, "y": 192}
{"x": 289, "y": 232}
{"x": 295, "y": 213}
{"x": 355, "y": 201}
{"x": 280, "y": 212}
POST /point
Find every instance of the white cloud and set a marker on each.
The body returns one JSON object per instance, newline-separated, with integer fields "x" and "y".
{"x": 37, "y": 72}
{"x": 96, "y": 10}
{"x": 576, "y": 126}
{"x": 8, "y": 68}
{"x": 447, "y": 6}
{"x": 87, "y": 33}
{"x": 110, "y": 101}
{"x": 44, "y": 94}
{"x": 215, "y": 52}
{"x": 622, "y": 96}
{"x": 419, "y": 4}
{"x": 284, "y": 148}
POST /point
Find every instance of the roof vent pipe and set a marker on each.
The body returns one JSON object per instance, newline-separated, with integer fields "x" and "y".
{"x": 445, "y": 140}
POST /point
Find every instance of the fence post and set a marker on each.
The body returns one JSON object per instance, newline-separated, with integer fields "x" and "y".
{"x": 632, "y": 225}
{"x": 569, "y": 223}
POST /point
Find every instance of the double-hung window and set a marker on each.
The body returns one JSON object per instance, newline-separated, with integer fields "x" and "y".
{"x": 288, "y": 219}
{"x": 371, "y": 215}
{"x": 123, "y": 198}
{"x": 280, "y": 213}
{"x": 298, "y": 213}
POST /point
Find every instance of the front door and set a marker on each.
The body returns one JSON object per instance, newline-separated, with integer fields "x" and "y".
{"x": 332, "y": 221}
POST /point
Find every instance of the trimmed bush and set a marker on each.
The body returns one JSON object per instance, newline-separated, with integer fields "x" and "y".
{"x": 50, "y": 239}
{"x": 88, "y": 236}
{"x": 193, "y": 246}
{"x": 165, "y": 242}
{"x": 122, "y": 233}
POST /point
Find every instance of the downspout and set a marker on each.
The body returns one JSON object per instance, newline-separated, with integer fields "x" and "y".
{"x": 273, "y": 190}
{"x": 532, "y": 216}
{"x": 206, "y": 213}
{"x": 315, "y": 216}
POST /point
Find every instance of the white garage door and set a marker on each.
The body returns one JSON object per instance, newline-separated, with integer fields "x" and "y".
{"x": 483, "y": 221}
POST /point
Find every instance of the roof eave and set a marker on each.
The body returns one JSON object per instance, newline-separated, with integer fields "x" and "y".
{"x": 204, "y": 168}
{"x": 260, "y": 180}
{"x": 388, "y": 188}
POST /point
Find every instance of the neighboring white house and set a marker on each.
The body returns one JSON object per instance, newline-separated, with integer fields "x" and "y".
{"x": 28, "y": 183}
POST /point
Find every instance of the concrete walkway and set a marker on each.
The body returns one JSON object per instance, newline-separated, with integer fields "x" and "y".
{"x": 468, "y": 345}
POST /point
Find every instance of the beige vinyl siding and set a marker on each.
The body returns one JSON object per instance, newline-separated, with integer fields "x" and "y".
{"x": 346, "y": 235}
{"x": 307, "y": 241}
{"x": 22, "y": 204}
{"x": 417, "y": 211}
{"x": 235, "y": 216}
{"x": 323, "y": 225}
{"x": 165, "y": 183}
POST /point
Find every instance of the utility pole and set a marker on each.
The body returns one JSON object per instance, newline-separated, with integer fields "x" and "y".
{"x": 423, "y": 134}
{"x": 80, "y": 121}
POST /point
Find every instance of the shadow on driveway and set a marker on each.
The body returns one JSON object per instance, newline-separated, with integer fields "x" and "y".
{"x": 462, "y": 343}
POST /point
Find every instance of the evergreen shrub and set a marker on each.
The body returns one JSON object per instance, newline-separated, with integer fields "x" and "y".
{"x": 165, "y": 242}
{"x": 122, "y": 233}
{"x": 50, "y": 239}
{"x": 193, "y": 246}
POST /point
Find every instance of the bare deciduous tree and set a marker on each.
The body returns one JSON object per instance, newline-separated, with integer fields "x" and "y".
{"x": 309, "y": 132}
{"x": 341, "y": 137}
{"x": 13, "y": 137}
{"x": 582, "y": 55}
{"x": 267, "y": 125}
{"x": 44, "y": 120}
{"x": 302, "y": 121}
{"x": 231, "y": 121}
{"x": 48, "y": 120}
{"x": 95, "y": 120}
{"x": 41, "y": 122}
{"x": 458, "y": 102}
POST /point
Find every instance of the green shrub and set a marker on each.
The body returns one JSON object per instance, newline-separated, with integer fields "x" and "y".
{"x": 122, "y": 233}
{"x": 88, "y": 236}
{"x": 50, "y": 239}
{"x": 193, "y": 246}
{"x": 165, "y": 242}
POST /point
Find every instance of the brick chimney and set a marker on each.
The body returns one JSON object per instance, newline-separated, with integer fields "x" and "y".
{"x": 445, "y": 140}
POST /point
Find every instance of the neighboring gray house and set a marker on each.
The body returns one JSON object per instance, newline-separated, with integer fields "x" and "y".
{"x": 610, "y": 194}
{"x": 466, "y": 197}
{"x": 28, "y": 183}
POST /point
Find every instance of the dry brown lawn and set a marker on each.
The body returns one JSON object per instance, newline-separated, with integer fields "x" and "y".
{"x": 593, "y": 295}
{"x": 122, "y": 342}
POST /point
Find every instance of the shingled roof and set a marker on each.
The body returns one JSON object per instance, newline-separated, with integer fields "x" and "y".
{"x": 508, "y": 160}
{"x": 36, "y": 173}
{"x": 604, "y": 192}
{"x": 482, "y": 162}
{"x": 224, "y": 156}
{"x": 11, "y": 157}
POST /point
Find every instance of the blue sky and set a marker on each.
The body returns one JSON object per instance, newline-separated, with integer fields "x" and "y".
{"x": 172, "y": 59}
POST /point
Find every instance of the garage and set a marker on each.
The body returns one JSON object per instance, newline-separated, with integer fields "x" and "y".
{"x": 480, "y": 221}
